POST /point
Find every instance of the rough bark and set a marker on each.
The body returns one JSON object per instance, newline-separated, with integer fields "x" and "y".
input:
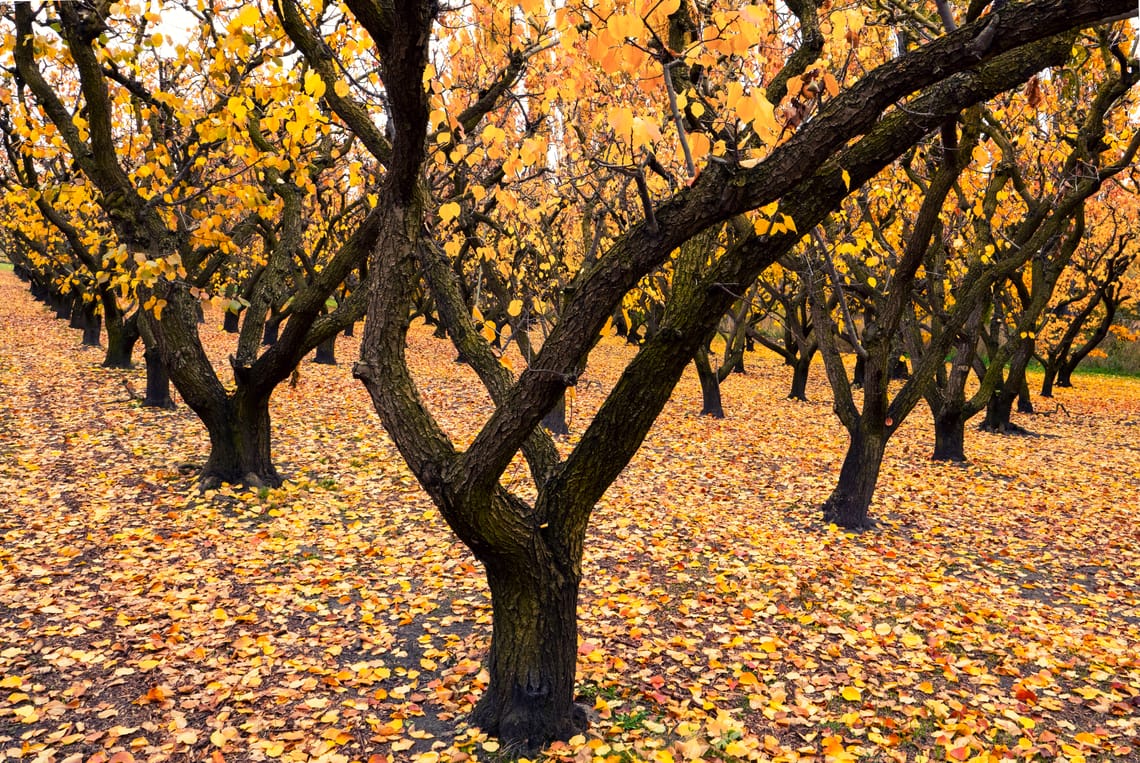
{"x": 532, "y": 662}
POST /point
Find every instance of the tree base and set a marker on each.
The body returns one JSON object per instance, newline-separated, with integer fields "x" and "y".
{"x": 212, "y": 480}
{"x": 521, "y": 731}
{"x": 848, "y": 517}
{"x": 1005, "y": 428}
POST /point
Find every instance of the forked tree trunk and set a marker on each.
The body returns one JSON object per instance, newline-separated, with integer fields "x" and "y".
{"x": 157, "y": 382}
{"x": 534, "y": 646}
{"x": 849, "y": 503}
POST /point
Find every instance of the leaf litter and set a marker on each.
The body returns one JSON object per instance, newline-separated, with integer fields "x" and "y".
{"x": 993, "y": 615}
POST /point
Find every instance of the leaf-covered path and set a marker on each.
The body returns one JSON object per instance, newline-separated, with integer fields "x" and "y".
{"x": 995, "y": 614}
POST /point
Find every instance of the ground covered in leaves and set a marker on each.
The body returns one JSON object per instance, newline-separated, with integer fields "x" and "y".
{"x": 994, "y": 614}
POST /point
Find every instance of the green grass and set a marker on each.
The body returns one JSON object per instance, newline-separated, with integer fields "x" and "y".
{"x": 7, "y": 266}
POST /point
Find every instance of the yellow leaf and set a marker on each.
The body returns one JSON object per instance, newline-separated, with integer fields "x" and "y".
{"x": 830, "y": 84}
{"x": 248, "y": 16}
{"x": 488, "y": 331}
{"x": 314, "y": 85}
{"x": 851, "y": 694}
{"x": 449, "y": 212}
{"x": 341, "y": 88}
{"x": 515, "y": 308}
{"x": 187, "y": 736}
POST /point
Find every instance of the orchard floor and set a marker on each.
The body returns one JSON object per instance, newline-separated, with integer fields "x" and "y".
{"x": 994, "y": 614}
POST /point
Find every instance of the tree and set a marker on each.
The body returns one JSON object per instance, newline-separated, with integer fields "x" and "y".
{"x": 1086, "y": 303}
{"x": 531, "y": 550}
{"x": 254, "y": 149}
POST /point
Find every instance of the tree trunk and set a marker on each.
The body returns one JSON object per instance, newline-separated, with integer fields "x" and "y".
{"x": 848, "y": 504}
{"x": 272, "y": 328}
{"x": 91, "y": 323}
{"x": 122, "y": 335}
{"x": 1024, "y": 401}
{"x": 1065, "y": 376}
{"x": 710, "y": 384}
{"x": 529, "y": 700}
{"x": 231, "y": 321}
{"x": 349, "y": 329}
{"x": 998, "y": 411}
{"x": 1047, "y": 382}
{"x": 157, "y": 382}
{"x": 859, "y": 373}
{"x": 326, "y": 352}
{"x": 555, "y": 421}
{"x": 62, "y": 308}
{"x": 800, "y": 369}
{"x": 950, "y": 435}
{"x": 240, "y": 443}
